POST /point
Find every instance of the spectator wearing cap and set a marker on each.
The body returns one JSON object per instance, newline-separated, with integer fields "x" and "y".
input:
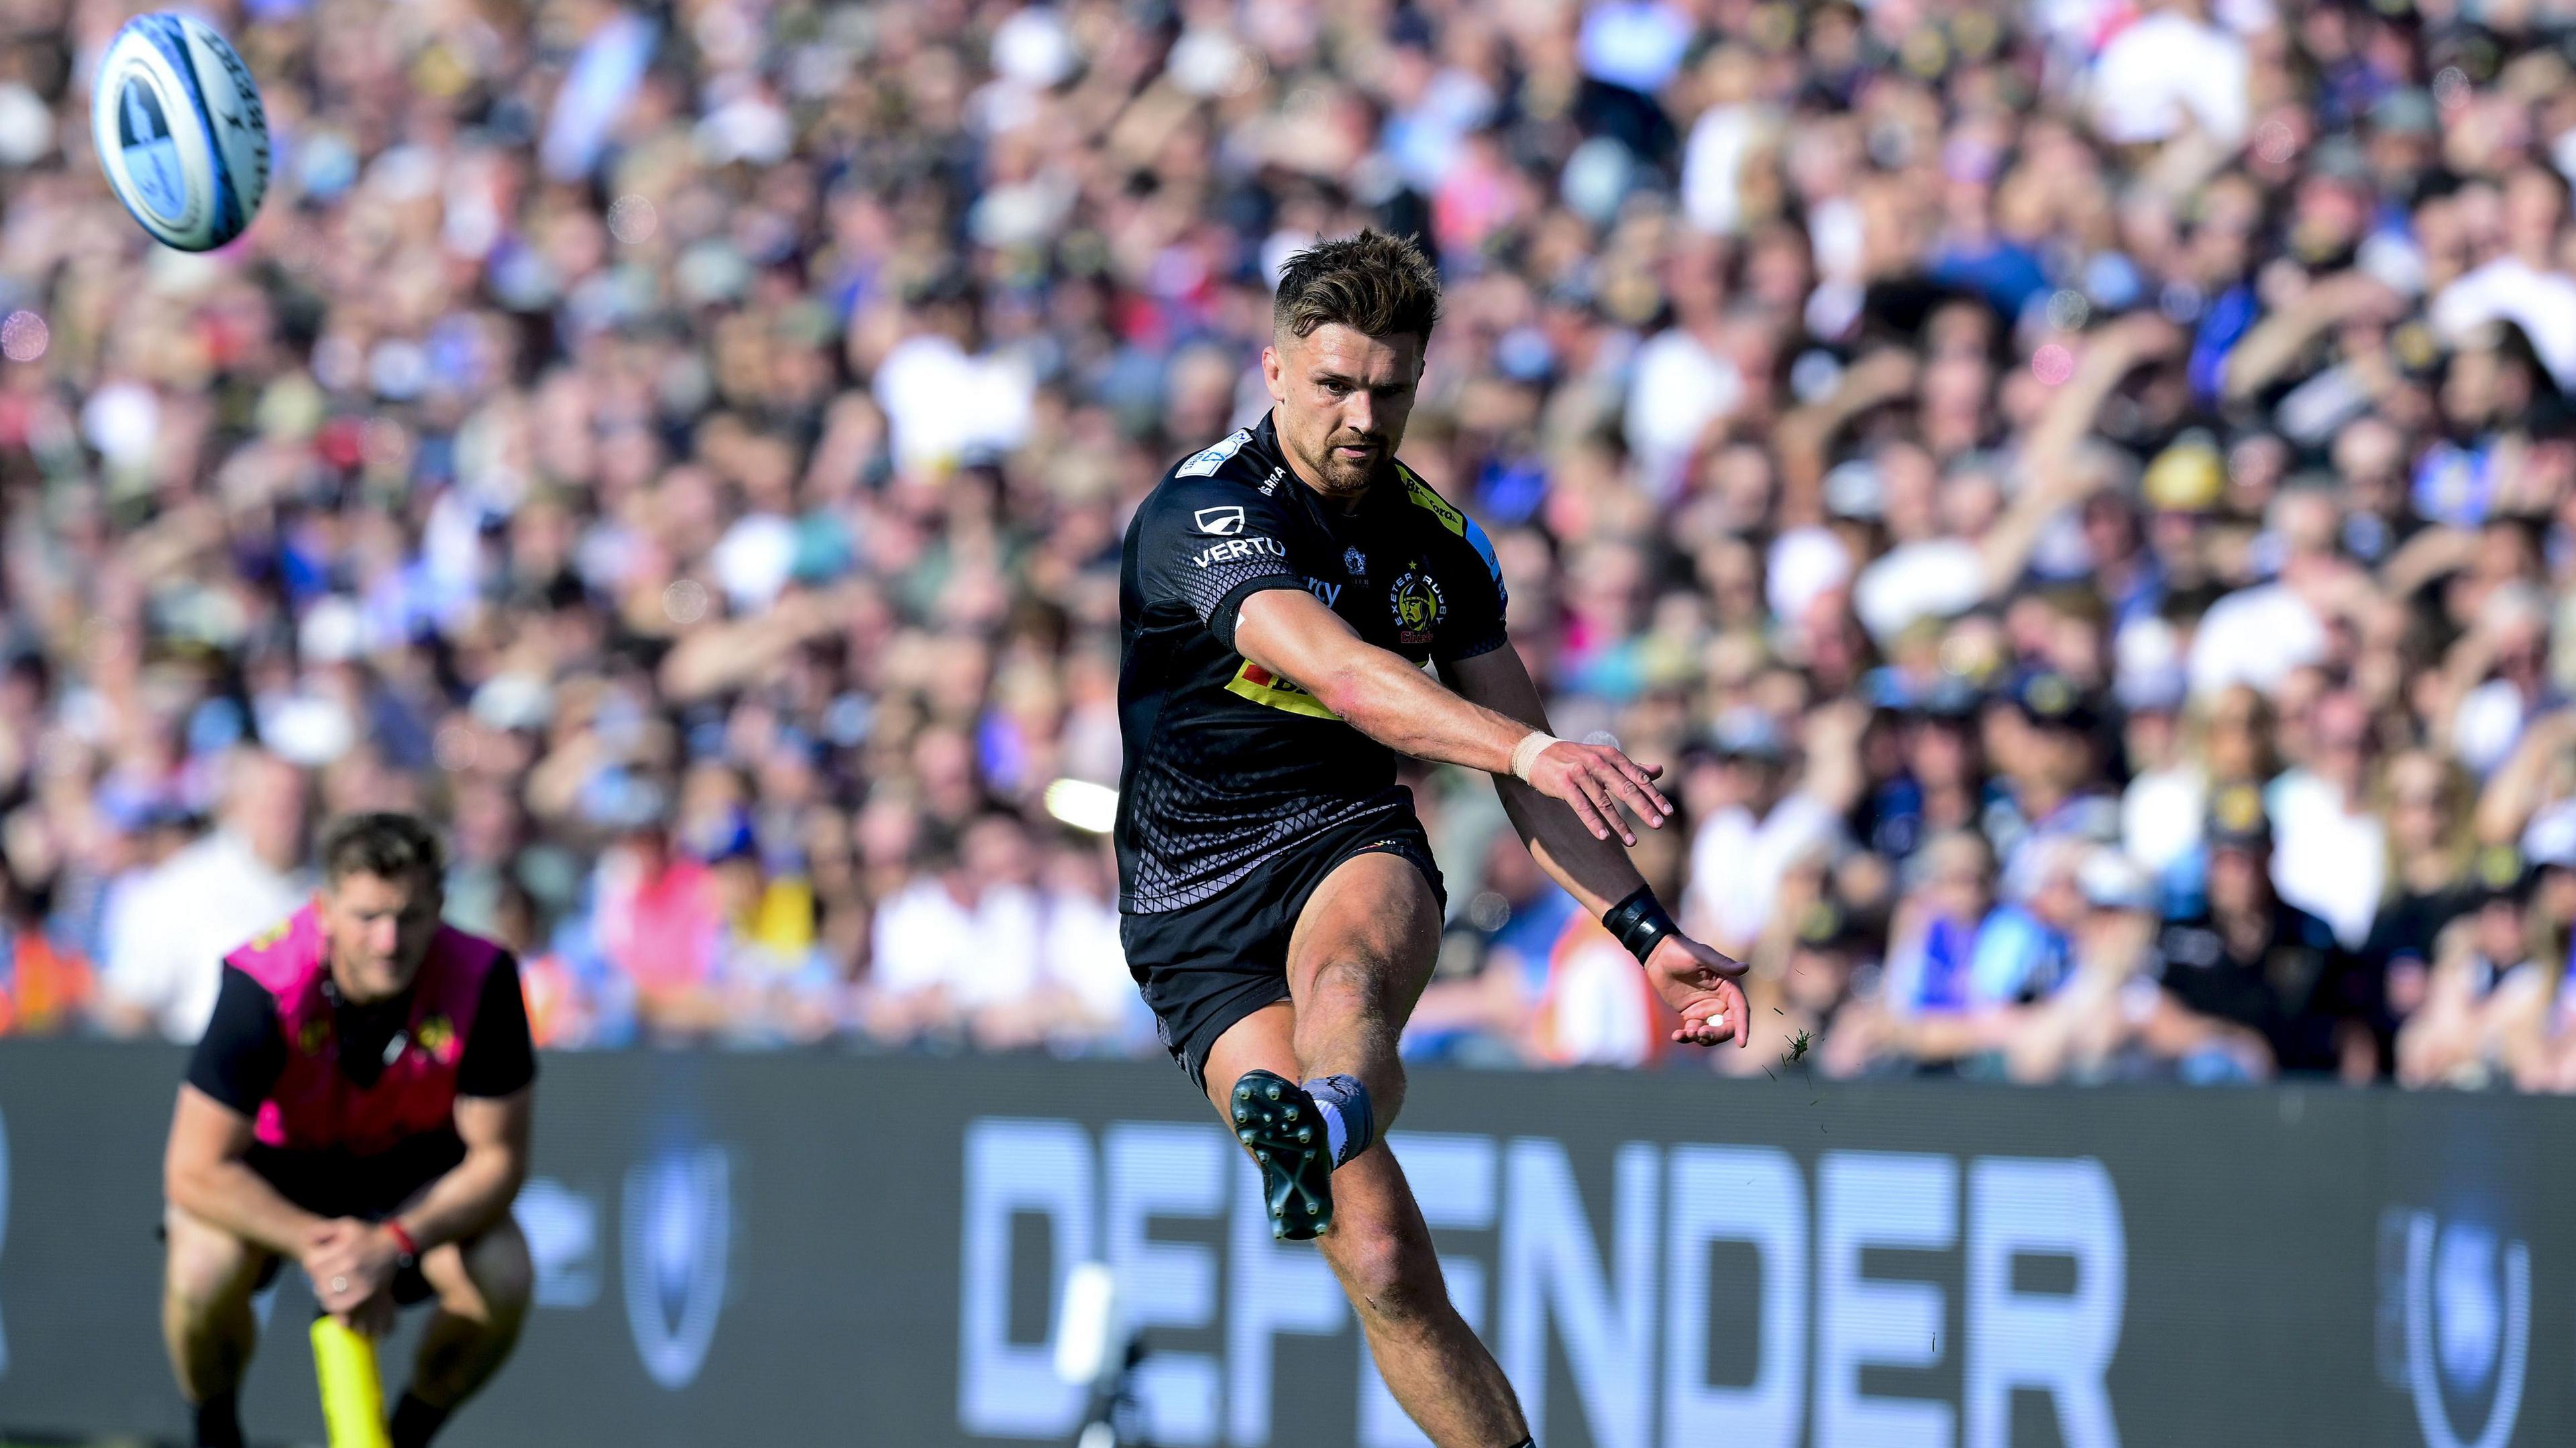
{"x": 1920, "y": 756}
{"x": 2250, "y": 959}
{"x": 2110, "y": 1021}
{"x": 2024, "y": 949}
{"x": 1811, "y": 928}
{"x": 2183, "y": 487}
{"x": 2487, "y": 1007}
{"x": 1753, "y": 823}
{"x": 2047, "y": 748}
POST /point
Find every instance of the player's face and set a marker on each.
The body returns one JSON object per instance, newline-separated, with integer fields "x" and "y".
{"x": 379, "y": 931}
{"x": 1343, "y": 397}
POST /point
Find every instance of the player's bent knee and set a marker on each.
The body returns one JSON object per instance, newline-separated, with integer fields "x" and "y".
{"x": 1358, "y": 988}
{"x": 209, "y": 1269}
{"x": 1347, "y": 984}
{"x": 487, "y": 1279}
{"x": 501, "y": 1270}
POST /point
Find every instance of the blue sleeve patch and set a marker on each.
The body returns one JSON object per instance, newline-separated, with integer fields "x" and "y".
{"x": 1485, "y": 550}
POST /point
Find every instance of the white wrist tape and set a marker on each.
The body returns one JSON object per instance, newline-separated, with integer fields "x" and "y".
{"x": 1525, "y": 754}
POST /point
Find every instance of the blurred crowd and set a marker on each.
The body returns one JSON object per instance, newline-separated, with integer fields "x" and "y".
{"x": 2080, "y": 495}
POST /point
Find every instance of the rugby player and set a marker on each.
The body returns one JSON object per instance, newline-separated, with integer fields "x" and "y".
{"x": 359, "y": 1106}
{"x": 1279, "y": 906}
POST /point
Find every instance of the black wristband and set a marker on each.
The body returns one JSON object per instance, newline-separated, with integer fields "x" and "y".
{"x": 1639, "y": 921}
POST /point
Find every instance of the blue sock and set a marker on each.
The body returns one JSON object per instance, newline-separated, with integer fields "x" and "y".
{"x": 1348, "y": 1123}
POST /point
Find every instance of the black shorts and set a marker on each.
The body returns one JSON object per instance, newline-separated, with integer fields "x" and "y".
{"x": 370, "y": 1188}
{"x": 1206, "y": 966}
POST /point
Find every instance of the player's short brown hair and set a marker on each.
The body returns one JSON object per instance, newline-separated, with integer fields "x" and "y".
{"x": 387, "y": 845}
{"x": 1373, "y": 283}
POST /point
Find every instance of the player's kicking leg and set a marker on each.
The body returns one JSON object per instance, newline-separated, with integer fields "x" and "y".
{"x": 1362, "y": 950}
{"x": 206, "y": 1322}
{"x": 482, "y": 1289}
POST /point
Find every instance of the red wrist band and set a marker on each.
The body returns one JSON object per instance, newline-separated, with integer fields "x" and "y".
{"x": 403, "y": 1240}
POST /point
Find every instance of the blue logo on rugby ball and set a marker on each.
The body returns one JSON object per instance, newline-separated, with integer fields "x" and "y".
{"x": 151, "y": 156}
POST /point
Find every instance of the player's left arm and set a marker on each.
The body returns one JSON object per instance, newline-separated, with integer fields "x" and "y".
{"x": 495, "y": 1103}
{"x": 1694, "y": 979}
{"x": 476, "y": 1193}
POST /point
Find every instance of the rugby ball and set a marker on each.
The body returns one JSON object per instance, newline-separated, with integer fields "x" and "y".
{"x": 180, "y": 131}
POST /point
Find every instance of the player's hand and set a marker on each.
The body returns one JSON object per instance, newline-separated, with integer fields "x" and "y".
{"x": 1700, "y": 983}
{"x": 349, "y": 1261}
{"x": 1594, "y": 780}
{"x": 374, "y": 1318}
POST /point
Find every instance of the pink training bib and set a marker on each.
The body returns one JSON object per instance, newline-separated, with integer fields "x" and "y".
{"x": 314, "y": 1104}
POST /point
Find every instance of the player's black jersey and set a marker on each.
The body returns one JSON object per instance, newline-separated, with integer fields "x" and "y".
{"x": 1227, "y": 764}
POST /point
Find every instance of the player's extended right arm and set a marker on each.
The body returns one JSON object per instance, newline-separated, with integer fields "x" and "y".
{"x": 1378, "y": 692}
{"x": 203, "y": 1172}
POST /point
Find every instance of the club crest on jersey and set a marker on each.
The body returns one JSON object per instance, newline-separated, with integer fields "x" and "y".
{"x": 313, "y": 1036}
{"x": 437, "y": 1036}
{"x": 1417, "y": 603}
{"x": 1219, "y": 522}
{"x": 1355, "y": 562}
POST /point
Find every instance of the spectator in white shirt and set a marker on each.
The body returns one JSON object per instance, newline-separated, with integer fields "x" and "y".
{"x": 2261, "y": 635}
{"x": 957, "y": 950}
{"x": 1735, "y": 127}
{"x": 2524, "y": 283}
{"x": 2169, "y": 72}
{"x": 1753, "y": 828}
{"x": 2331, "y": 858}
{"x": 1097, "y": 1004}
{"x": 170, "y": 926}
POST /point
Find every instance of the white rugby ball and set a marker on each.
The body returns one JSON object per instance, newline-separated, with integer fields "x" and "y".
{"x": 180, "y": 131}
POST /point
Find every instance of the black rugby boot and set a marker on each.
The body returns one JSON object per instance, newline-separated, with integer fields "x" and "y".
{"x": 1277, "y": 1122}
